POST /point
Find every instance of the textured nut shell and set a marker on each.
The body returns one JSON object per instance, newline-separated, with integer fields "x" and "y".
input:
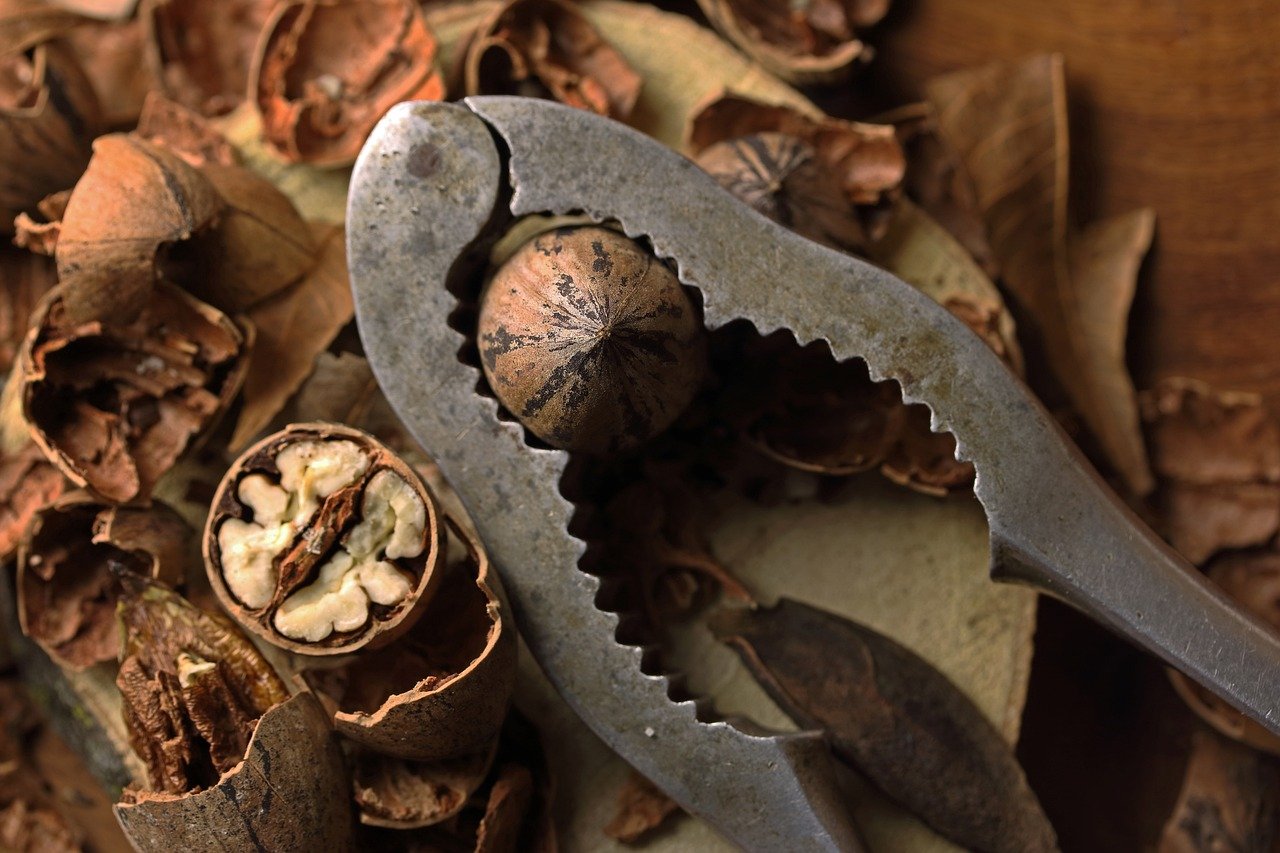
{"x": 289, "y": 793}
{"x": 226, "y": 504}
{"x": 430, "y": 723}
{"x": 590, "y": 341}
{"x": 397, "y": 794}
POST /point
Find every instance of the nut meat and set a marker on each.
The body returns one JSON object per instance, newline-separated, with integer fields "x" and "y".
{"x": 322, "y": 541}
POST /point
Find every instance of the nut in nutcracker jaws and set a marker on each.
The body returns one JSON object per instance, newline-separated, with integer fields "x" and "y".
{"x": 437, "y": 184}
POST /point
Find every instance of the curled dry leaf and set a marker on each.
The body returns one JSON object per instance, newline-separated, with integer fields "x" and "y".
{"x": 1217, "y": 456}
{"x": 323, "y": 541}
{"x": 290, "y": 792}
{"x": 48, "y": 118}
{"x": 201, "y": 52}
{"x": 327, "y": 70}
{"x": 790, "y": 166}
{"x": 114, "y": 406}
{"x": 24, "y": 279}
{"x": 67, "y": 589}
{"x": 548, "y": 49}
{"x": 1007, "y": 124}
{"x": 114, "y": 58}
{"x": 400, "y": 794}
{"x": 134, "y": 199}
{"x": 1230, "y": 800}
{"x": 895, "y": 718}
{"x": 443, "y": 689}
{"x": 642, "y": 808}
{"x": 187, "y": 132}
{"x": 814, "y": 41}
{"x": 27, "y": 23}
{"x": 293, "y": 327}
{"x": 1252, "y": 578}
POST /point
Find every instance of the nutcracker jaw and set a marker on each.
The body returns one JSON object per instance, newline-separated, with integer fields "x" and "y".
{"x": 437, "y": 183}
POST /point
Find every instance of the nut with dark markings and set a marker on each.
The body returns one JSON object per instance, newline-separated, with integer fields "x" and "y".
{"x": 590, "y": 340}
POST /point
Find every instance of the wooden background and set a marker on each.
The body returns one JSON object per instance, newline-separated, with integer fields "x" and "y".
{"x": 1175, "y": 104}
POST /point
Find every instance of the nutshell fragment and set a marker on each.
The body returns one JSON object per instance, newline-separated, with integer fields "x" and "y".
{"x": 325, "y": 71}
{"x": 114, "y": 405}
{"x": 401, "y": 794}
{"x": 67, "y": 589}
{"x": 443, "y": 689}
{"x": 548, "y": 49}
{"x": 323, "y": 541}
{"x": 49, "y": 115}
{"x": 807, "y": 42}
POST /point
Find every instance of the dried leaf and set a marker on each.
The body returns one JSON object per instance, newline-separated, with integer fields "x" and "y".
{"x": 114, "y": 406}
{"x": 1230, "y": 800}
{"x": 442, "y": 690}
{"x": 289, "y": 793}
{"x": 1007, "y": 123}
{"x": 293, "y": 328}
{"x": 106, "y": 10}
{"x": 341, "y": 388}
{"x": 1253, "y": 579}
{"x": 642, "y": 808}
{"x": 48, "y": 117}
{"x": 186, "y": 132}
{"x": 28, "y": 484}
{"x": 27, "y": 23}
{"x": 812, "y": 42}
{"x": 66, "y": 591}
{"x": 24, "y": 279}
{"x": 133, "y": 199}
{"x": 864, "y": 161}
{"x": 548, "y": 49}
{"x": 896, "y": 719}
{"x": 400, "y": 794}
{"x": 201, "y": 52}
{"x": 510, "y": 801}
{"x": 1217, "y": 456}
{"x": 113, "y": 54}
{"x": 327, "y": 70}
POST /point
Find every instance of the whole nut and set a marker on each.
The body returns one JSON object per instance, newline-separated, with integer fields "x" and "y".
{"x": 590, "y": 341}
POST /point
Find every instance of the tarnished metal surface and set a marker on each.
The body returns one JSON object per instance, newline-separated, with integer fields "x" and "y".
{"x": 423, "y": 196}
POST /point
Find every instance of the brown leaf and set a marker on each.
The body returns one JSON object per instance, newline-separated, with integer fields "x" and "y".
{"x": 1217, "y": 456}
{"x": 506, "y": 812}
{"x": 113, "y": 406}
{"x": 810, "y": 42}
{"x": 642, "y": 808}
{"x": 66, "y": 592}
{"x": 24, "y": 279}
{"x": 896, "y": 719}
{"x": 548, "y": 49}
{"x": 201, "y": 52}
{"x": 185, "y": 131}
{"x": 48, "y": 117}
{"x": 1230, "y": 800}
{"x": 27, "y": 23}
{"x": 327, "y": 70}
{"x": 865, "y": 161}
{"x": 1252, "y": 579}
{"x": 29, "y": 482}
{"x": 114, "y": 58}
{"x": 294, "y": 326}
{"x": 106, "y": 10}
{"x": 401, "y": 794}
{"x": 1007, "y": 123}
{"x": 134, "y": 199}
{"x": 341, "y": 388}
{"x": 289, "y": 793}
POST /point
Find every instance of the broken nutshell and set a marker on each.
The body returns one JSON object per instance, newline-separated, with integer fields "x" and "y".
{"x": 114, "y": 405}
{"x": 590, "y": 340}
{"x": 67, "y": 588}
{"x": 323, "y": 541}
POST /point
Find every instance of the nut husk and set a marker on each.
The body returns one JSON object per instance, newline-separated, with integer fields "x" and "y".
{"x": 48, "y": 117}
{"x": 325, "y": 71}
{"x": 399, "y": 794}
{"x": 66, "y": 590}
{"x": 442, "y": 690}
{"x": 115, "y": 405}
{"x": 547, "y": 48}
{"x": 318, "y": 541}
{"x": 289, "y": 793}
{"x": 590, "y": 340}
{"x": 807, "y": 42}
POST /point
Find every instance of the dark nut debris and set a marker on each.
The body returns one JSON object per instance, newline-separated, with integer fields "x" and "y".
{"x": 323, "y": 541}
{"x": 590, "y": 340}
